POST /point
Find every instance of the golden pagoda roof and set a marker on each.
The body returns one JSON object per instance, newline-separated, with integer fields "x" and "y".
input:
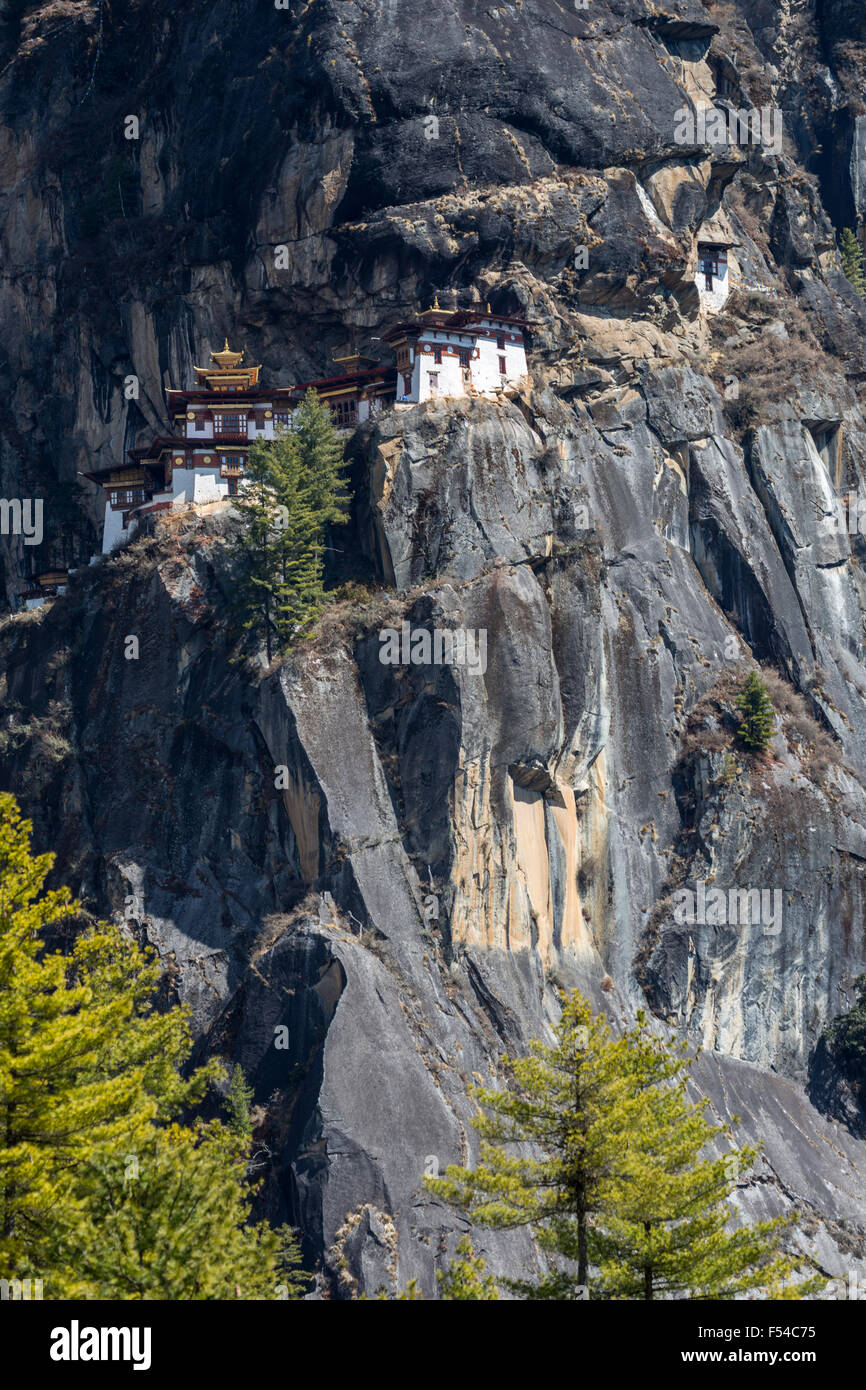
{"x": 354, "y": 357}
{"x": 227, "y": 371}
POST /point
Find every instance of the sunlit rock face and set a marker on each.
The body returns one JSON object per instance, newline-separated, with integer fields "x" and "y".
{"x": 400, "y": 862}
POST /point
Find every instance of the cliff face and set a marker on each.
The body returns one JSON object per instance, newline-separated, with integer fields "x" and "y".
{"x": 399, "y": 863}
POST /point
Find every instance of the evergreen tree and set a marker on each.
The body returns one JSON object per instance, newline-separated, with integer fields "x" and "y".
{"x": 665, "y": 1231}
{"x": 168, "y": 1222}
{"x": 90, "y": 1076}
{"x": 852, "y": 261}
{"x": 756, "y": 726}
{"x": 572, "y": 1105}
{"x": 466, "y": 1279}
{"x": 238, "y": 1103}
{"x": 84, "y": 1060}
{"x": 321, "y": 456}
{"x": 616, "y": 1182}
{"x": 279, "y": 584}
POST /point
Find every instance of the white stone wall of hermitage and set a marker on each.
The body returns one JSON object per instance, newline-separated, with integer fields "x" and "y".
{"x": 113, "y": 532}
{"x": 713, "y": 300}
{"x": 486, "y": 375}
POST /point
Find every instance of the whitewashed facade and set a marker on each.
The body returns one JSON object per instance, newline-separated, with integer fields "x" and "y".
{"x": 457, "y": 352}
{"x": 712, "y": 277}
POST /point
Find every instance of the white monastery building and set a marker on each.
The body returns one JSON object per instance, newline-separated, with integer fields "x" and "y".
{"x": 444, "y": 352}
{"x": 452, "y": 352}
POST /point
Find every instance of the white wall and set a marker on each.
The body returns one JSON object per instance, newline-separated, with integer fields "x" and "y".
{"x": 448, "y": 373}
{"x": 202, "y": 484}
{"x": 209, "y": 486}
{"x": 484, "y": 368}
{"x": 712, "y": 300}
{"x": 486, "y": 375}
{"x": 113, "y": 532}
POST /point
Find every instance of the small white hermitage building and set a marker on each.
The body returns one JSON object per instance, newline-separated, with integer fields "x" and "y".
{"x": 453, "y": 352}
{"x": 712, "y": 277}
{"x": 444, "y": 352}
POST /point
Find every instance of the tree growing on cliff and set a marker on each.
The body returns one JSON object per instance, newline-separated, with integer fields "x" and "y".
{"x": 90, "y": 1076}
{"x": 758, "y": 715}
{"x": 466, "y": 1279}
{"x": 616, "y": 1182}
{"x": 291, "y": 491}
{"x": 278, "y": 587}
{"x": 571, "y": 1104}
{"x": 852, "y": 261}
{"x": 170, "y": 1222}
{"x": 321, "y": 457}
{"x": 238, "y": 1100}
{"x": 666, "y": 1229}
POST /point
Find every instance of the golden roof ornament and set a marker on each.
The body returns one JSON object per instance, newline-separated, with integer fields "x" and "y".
{"x": 226, "y": 359}
{"x": 436, "y": 308}
{"x": 226, "y": 364}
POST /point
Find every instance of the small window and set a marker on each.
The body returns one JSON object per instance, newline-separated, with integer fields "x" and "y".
{"x": 345, "y": 414}
{"x": 437, "y": 356}
{"x": 229, "y": 424}
{"x": 502, "y": 366}
{"x": 464, "y": 357}
{"x": 500, "y": 341}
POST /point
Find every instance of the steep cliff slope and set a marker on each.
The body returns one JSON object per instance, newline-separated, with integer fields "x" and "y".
{"x": 659, "y": 507}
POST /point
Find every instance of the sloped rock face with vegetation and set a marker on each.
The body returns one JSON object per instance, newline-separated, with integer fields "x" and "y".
{"x": 400, "y": 865}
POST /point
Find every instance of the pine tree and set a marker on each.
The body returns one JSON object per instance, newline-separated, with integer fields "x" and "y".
{"x": 573, "y": 1106}
{"x": 852, "y": 261}
{"x": 238, "y": 1103}
{"x": 169, "y": 1222}
{"x": 90, "y": 1076}
{"x": 616, "y": 1182}
{"x": 466, "y": 1279}
{"x": 279, "y": 547}
{"x": 666, "y": 1231}
{"x": 321, "y": 454}
{"x": 756, "y": 726}
{"x": 84, "y": 1060}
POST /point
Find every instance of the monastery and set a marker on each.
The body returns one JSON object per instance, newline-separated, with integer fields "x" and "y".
{"x": 442, "y": 352}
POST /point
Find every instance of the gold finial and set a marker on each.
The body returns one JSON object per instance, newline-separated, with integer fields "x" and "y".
{"x": 488, "y": 306}
{"x": 435, "y": 304}
{"x": 226, "y": 359}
